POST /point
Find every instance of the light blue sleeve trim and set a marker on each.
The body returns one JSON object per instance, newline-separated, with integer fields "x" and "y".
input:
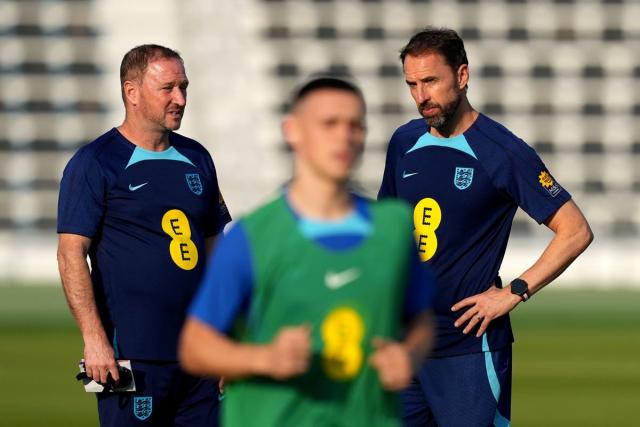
{"x": 458, "y": 142}
{"x": 140, "y": 155}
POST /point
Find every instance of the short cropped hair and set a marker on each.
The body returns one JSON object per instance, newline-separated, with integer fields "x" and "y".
{"x": 444, "y": 41}
{"x": 135, "y": 62}
{"x": 323, "y": 81}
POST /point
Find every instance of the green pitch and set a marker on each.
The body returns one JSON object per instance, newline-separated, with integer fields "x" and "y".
{"x": 576, "y": 360}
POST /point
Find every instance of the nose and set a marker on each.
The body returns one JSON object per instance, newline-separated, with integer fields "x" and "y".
{"x": 422, "y": 94}
{"x": 179, "y": 96}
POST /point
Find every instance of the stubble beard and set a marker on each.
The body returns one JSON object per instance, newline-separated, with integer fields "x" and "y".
{"x": 442, "y": 120}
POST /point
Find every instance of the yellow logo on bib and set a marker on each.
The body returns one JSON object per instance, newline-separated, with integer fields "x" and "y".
{"x": 342, "y": 334}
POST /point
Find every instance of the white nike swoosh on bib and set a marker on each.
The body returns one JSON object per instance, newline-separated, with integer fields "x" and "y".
{"x": 337, "y": 280}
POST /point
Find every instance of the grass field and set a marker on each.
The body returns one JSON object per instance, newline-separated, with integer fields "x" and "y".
{"x": 577, "y": 360}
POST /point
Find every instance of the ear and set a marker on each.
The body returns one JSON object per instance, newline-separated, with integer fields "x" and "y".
{"x": 291, "y": 130}
{"x": 463, "y": 76}
{"x": 131, "y": 90}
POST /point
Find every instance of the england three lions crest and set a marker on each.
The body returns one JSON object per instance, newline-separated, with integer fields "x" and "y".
{"x": 142, "y": 407}
{"x": 195, "y": 185}
{"x": 463, "y": 178}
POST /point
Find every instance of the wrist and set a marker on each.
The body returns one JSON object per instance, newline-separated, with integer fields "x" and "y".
{"x": 260, "y": 357}
{"x": 520, "y": 289}
{"x": 95, "y": 338}
{"x": 515, "y": 299}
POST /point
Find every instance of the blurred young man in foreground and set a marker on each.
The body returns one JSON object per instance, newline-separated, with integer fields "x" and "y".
{"x": 304, "y": 304}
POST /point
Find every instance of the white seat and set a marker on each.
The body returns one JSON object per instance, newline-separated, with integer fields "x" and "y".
{"x": 349, "y": 16}
{"x": 443, "y": 14}
{"x": 54, "y": 14}
{"x": 567, "y": 57}
{"x": 588, "y": 18}
{"x": 569, "y": 130}
{"x": 567, "y": 93}
{"x": 619, "y": 58}
{"x": 12, "y": 51}
{"x": 9, "y": 13}
{"x": 542, "y": 17}
{"x": 301, "y": 16}
{"x": 617, "y": 170}
{"x": 492, "y": 18}
{"x": 630, "y": 16}
{"x": 399, "y": 17}
{"x": 517, "y": 92}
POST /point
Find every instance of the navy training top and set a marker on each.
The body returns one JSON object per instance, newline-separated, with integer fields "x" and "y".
{"x": 465, "y": 191}
{"x": 147, "y": 215}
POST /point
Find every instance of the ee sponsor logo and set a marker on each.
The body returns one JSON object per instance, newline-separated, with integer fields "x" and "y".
{"x": 184, "y": 252}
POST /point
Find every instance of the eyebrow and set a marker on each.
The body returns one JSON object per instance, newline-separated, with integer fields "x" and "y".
{"x": 424, "y": 79}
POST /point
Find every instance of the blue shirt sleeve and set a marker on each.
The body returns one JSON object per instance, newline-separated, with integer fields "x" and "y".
{"x": 421, "y": 287}
{"x": 530, "y": 184}
{"x": 517, "y": 170}
{"x": 81, "y": 202}
{"x": 220, "y": 212}
{"x": 388, "y": 185}
{"x": 225, "y": 290}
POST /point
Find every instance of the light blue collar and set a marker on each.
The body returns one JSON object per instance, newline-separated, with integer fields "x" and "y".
{"x": 458, "y": 142}
{"x": 140, "y": 155}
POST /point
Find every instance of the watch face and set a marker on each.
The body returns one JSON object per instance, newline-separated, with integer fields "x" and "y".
{"x": 519, "y": 287}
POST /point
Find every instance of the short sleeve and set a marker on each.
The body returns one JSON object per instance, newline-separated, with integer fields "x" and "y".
{"x": 225, "y": 290}
{"x": 388, "y": 185}
{"x": 529, "y": 183}
{"x": 220, "y": 212}
{"x": 420, "y": 287}
{"x": 82, "y": 198}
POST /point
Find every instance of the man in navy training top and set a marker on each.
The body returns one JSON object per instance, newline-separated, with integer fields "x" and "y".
{"x": 466, "y": 175}
{"x": 143, "y": 202}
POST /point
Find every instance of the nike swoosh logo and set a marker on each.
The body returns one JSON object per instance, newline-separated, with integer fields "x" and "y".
{"x": 134, "y": 188}
{"x": 407, "y": 175}
{"x": 337, "y": 280}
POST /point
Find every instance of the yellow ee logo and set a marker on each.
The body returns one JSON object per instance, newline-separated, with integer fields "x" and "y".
{"x": 426, "y": 220}
{"x": 182, "y": 249}
{"x": 342, "y": 333}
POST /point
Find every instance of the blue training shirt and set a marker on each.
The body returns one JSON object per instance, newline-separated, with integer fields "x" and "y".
{"x": 465, "y": 191}
{"x": 226, "y": 290}
{"x": 147, "y": 215}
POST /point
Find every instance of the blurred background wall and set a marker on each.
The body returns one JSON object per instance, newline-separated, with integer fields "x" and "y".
{"x": 561, "y": 74}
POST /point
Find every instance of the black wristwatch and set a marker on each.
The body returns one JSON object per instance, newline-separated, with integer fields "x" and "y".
{"x": 521, "y": 288}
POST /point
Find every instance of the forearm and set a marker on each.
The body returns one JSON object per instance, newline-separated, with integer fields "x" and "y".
{"x": 78, "y": 290}
{"x": 419, "y": 338}
{"x": 572, "y": 237}
{"x": 204, "y": 351}
{"x": 555, "y": 259}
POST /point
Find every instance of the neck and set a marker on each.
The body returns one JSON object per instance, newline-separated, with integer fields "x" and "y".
{"x": 462, "y": 120}
{"x": 317, "y": 198}
{"x": 145, "y": 136}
